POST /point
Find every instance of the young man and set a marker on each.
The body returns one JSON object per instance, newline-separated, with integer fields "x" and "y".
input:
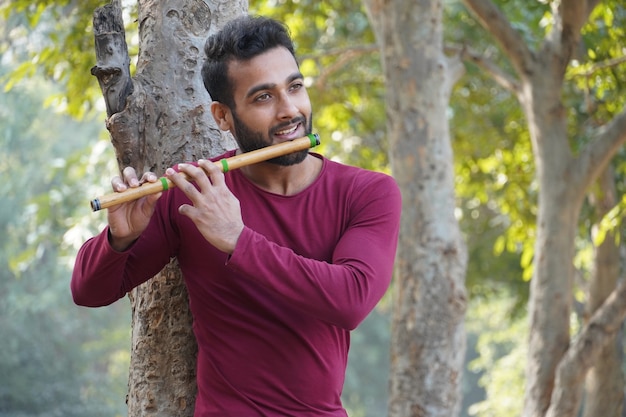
{"x": 281, "y": 259}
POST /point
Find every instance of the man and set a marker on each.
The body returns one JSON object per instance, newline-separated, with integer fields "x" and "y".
{"x": 281, "y": 259}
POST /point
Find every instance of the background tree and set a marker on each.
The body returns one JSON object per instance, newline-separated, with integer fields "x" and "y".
{"x": 604, "y": 388}
{"x": 428, "y": 337}
{"x": 536, "y": 74}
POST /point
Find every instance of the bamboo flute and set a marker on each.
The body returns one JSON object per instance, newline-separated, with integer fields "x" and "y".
{"x": 226, "y": 164}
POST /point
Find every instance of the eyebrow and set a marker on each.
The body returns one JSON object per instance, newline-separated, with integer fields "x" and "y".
{"x": 268, "y": 86}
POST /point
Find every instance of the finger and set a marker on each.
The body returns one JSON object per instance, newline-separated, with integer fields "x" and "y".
{"x": 182, "y": 180}
{"x": 148, "y": 177}
{"x": 117, "y": 184}
{"x": 197, "y": 175}
{"x": 187, "y": 210}
{"x": 212, "y": 171}
{"x": 130, "y": 177}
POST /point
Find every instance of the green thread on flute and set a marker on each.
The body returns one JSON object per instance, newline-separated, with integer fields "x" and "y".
{"x": 164, "y": 183}
{"x": 224, "y": 166}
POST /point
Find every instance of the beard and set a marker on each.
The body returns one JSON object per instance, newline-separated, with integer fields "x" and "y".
{"x": 250, "y": 140}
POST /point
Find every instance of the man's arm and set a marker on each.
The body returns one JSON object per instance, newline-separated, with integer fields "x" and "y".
{"x": 344, "y": 291}
{"x": 99, "y": 276}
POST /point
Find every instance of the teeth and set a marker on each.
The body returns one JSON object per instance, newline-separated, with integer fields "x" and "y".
{"x": 287, "y": 131}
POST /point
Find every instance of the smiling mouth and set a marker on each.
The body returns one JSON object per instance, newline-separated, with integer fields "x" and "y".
{"x": 288, "y": 131}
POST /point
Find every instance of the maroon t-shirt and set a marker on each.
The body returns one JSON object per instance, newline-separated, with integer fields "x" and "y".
{"x": 272, "y": 320}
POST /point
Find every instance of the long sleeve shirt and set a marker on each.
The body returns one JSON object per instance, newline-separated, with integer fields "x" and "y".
{"x": 273, "y": 319}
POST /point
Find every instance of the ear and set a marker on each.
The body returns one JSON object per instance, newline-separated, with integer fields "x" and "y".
{"x": 222, "y": 115}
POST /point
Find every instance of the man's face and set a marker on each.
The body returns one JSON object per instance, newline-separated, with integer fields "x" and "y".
{"x": 271, "y": 103}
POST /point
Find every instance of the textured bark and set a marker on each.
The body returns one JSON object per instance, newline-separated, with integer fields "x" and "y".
{"x": 551, "y": 287}
{"x": 563, "y": 181}
{"x": 113, "y": 69}
{"x": 159, "y": 118}
{"x": 428, "y": 336}
{"x": 163, "y": 349}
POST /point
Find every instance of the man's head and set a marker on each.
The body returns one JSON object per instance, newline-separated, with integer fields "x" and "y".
{"x": 241, "y": 39}
{"x": 255, "y": 82}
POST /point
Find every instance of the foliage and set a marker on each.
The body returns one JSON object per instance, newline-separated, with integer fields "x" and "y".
{"x": 494, "y": 167}
{"x": 597, "y": 80}
{"x": 51, "y": 362}
{"x": 54, "y": 38}
{"x": 498, "y": 176}
{"x": 340, "y": 59}
{"x": 501, "y": 356}
{"x": 494, "y": 183}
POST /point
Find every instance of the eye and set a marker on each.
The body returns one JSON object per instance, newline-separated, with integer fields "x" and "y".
{"x": 262, "y": 97}
{"x": 298, "y": 85}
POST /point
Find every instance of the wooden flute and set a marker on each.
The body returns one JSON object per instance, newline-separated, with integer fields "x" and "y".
{"x": 226, "y": 164}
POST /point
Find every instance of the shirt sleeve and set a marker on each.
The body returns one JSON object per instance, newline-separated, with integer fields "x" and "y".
{"x": 344, "y": 291}
{"x": 102, "y": 275}
{"x": 97, "y": 265}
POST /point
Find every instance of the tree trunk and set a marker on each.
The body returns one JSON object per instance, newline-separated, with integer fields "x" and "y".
{"x": 604, "y": 384}
{"x": 561, "y": 194}
{"x": 157, "y": 119}
{"x": 163, "y": 348}
{"x": 428, "y": 337}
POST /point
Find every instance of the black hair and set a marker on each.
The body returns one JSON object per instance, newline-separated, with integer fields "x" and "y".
{"x": 241, "y": 39}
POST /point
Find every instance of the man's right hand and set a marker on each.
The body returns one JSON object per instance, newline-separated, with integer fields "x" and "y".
{"x": 128, "y": 220}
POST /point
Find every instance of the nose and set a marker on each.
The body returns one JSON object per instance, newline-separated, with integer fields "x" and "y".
{"x": 287, "y": 107}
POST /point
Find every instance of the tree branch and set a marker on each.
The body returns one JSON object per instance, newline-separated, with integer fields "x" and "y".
{"x": 574, "y": 14}
{"x": 356, "y": 50}
{"x": 584, "y": 351}
{"x": 504, "y": 79}
{"x": 494, "y": 21}
{"x": 599, "y": 66}
{"x": 569, "y": 18}
{"x": 608, "y": 139}
{"x": 345, "y": 56}
{"x": 113, "y": 63}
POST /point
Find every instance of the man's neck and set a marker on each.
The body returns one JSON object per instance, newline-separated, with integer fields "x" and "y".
{"x": 284, "y": 180}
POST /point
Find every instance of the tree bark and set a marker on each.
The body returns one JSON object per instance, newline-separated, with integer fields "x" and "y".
{"x": 159, "y": 118}
{"x": 428, "y": 336}
{"x": 113, "y": 69}
{"x": 559, "y": 203}
{"x": 163, "y": 348}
